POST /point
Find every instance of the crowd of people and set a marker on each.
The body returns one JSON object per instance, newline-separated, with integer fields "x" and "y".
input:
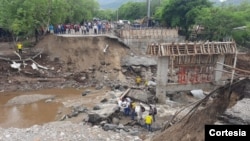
{"x": 136, "y": 109}
{"x": 93, "y": 27}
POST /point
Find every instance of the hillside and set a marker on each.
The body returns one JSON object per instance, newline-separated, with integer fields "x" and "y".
{"x": 115, "y": 4}
{"x": 228, "y": 2}
{"x": 235, "y": 2}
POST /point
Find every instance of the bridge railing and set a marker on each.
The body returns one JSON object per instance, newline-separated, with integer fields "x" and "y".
{"x": 153, "y": 33}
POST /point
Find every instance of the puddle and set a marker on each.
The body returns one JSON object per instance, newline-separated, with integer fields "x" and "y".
{"x": 23, "y": 116}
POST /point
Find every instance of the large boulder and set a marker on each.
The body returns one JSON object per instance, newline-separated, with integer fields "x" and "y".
{"x": 94, "y": 118}
{"x": 106, "y": 110}
{"x": 138, "y": 95}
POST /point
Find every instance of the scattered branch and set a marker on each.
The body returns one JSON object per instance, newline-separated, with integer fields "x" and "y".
{"x": 18, "y": 55}
{"x": 24, "y": 60}
{"x": 5, "y": 59}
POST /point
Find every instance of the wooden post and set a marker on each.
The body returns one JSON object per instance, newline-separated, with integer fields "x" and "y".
{"x": 233, "y": 71}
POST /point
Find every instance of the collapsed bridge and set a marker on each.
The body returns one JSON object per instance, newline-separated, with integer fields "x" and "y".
{"x": 186, "y": 66}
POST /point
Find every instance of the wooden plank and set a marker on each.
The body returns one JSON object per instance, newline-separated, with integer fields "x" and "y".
{"x": 125, "y": 93}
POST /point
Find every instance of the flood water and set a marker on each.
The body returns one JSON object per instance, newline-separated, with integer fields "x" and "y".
{"x": 23, "y": 116}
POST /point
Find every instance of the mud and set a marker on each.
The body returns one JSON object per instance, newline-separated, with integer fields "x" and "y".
{"x": 23, "y": 113}
{"x": 80, "y": 63}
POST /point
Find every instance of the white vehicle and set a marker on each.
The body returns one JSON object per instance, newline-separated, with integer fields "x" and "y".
{"x": 123, "y": 22}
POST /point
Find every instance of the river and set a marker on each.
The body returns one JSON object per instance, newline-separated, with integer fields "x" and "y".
{"x": 23, "y": 116}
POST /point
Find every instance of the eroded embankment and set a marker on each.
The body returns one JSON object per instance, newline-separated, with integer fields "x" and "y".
{"x": 83, "y": 58}
{"x": 83, "y": 52}
{"x": 191, "y": 127}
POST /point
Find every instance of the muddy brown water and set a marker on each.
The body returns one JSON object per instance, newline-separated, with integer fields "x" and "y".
{"x": 23, "y": 116}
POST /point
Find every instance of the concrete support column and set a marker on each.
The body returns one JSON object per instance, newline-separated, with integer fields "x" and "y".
{"x": 162, "y": 78}
{"x": 218, "y": 74}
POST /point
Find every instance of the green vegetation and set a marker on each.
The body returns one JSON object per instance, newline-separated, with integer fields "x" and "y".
{"x": 218, "y": 22}
{"x": 24, "y": 17}
{"x": 182, "y": 14}
{"x": 224, "y": 22}
{"x": 132, "y": 10}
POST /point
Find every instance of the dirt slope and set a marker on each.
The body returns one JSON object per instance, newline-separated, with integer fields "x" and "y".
{"x": 81, "y": 54}
{"x": 192, "y": 128}
{"x": 84, "y": 52}
{"x": 83, "y": 57}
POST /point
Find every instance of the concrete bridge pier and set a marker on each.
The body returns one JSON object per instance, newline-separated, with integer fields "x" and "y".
{"x": 217, "y": 73}
{"x": 162, "y": 78}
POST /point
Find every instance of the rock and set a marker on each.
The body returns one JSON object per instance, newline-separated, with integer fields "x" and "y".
{"x": 116, "y": 109}
{"x": 63, "y": 117}
{"x": 136, "y": 69}
{"x": 107, "y": 127}
{"x": 102, "y": 62}
{"x": 48, "y": 100}
{"x": 117, "y": 86}
{"x": 86, "y": 92}
{"x": 104, "y": 100}
{"x": 97, "y": 107}
{"x": 83, "y": 78}
{"x": 126, "y": 129}
{"x": 125, "y": 86}
{"x": 80, "y": 109}
{"x": 120, "y": 126}
{"x": 99, "y": 87}
{"x": 124, "y": 70}
{"x": 74, "y": 114}
{"x": 152, "y": 90}
{"x": 138, "y": 94}
{"x": 106, "y": 110}
{"x": 117, "y": 69}
{"x": 133, "y": 132}
{"x": 94, "y": 118}
{"x": 91, "y": 68}
{"x": 62, "y": 134}
{"x": 7, "y": 136}
{"x": 103, "y": 123}
{"x": 66, "y": 131}
{"x": 115, "y": 120}
{"x": 240, "y": 112}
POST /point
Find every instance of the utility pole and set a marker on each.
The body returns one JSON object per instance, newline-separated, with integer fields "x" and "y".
{"x": 117, "y": 16}
{"x": 148, "y": 12}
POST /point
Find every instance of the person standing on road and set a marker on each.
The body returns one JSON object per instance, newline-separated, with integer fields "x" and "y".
{"x": 20, "y": 47}
{"x": 95, "y": 28}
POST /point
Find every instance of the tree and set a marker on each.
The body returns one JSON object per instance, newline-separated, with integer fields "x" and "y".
{"x": 182, "y": 13}
{"x": 132, "y": 10}
{"x": 24, "y": 17}
{"x": 106, "y": 14}
{"x": 79, "y": 10}
{"x": 222, "y": 22}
